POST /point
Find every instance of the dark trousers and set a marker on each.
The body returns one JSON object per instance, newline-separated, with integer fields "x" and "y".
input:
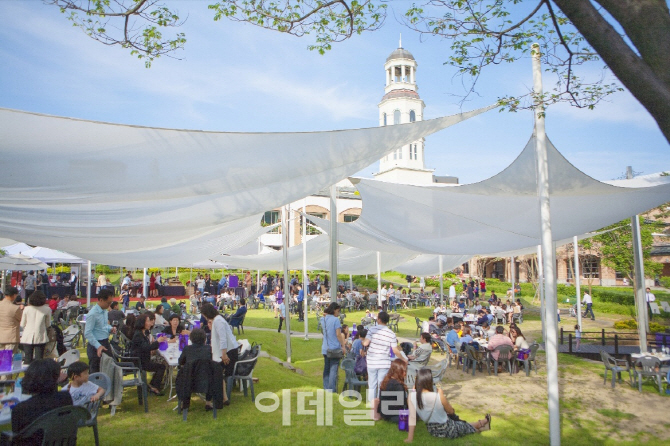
{"x": 281, "y": 321}
{"x": 301, "y": 310}
{"x": 233, "y": 355}
{"x": 33, "y": 351}
{"x": 92, "y": 352}
{"x": 589, "y": 309}
{"x": 159, "y": 372}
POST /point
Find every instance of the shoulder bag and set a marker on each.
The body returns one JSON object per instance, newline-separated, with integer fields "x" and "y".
{"x": 331, "y": 353}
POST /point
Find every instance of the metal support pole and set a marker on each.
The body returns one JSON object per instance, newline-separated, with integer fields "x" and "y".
{"x": 144, "y": 283}
{"x": 540, "y": 284}
{"x": 577, "y": 277}
{"x": 439, "y": 261}
{"x": 4, "y": 274}
{"x": 287, "y": 295}
{"x": 379, "y": 276}
{"x": 351, "y": 282}
{"x": 333, "y": 243}
{"x": 513, "y": 274}
{"x": 549, "y": 255}
{"x": 640, "y": 295}
{"x": 305, "y": 279}
{"x": 90, "y": 285}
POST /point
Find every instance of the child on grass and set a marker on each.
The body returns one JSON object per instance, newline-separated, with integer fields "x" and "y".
{"x": 81, "y": 390}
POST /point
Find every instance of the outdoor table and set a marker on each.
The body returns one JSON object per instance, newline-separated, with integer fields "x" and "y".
{"x": 61, "y": 290}
{"x": 172, "y": 290}
{"x": 171, "y": 356}
{"x": 6, "y": 416}
{"x": 661, "y": 356}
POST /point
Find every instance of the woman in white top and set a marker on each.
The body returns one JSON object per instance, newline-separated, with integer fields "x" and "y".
{"x": 35, "y": 322}
{"x": 434, "y": 409}
{"x": 225, "y": 348}
{"x": 520, "y": 342}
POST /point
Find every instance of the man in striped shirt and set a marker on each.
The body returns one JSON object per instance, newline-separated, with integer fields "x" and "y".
{"x": 379, "y": 341}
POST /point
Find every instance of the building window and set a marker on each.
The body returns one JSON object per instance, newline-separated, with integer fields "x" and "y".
{"x": 412, "y": 116}
{"x": 619, "y": 275}
{"x": 591, "y": 268}
{"x": 395, "y": 155}
{"x": 270, "y": 218}
{"x": 415, "y": 153}
{"x": 384, "y": 115}
{"x": 350, "y": 218}
{"x": 396, "y": 117}
{"x": 400, "y": 153}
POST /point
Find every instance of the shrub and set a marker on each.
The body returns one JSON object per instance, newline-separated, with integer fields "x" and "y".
{"x": 631, "y": 324}
{"x": 665, "y": 281}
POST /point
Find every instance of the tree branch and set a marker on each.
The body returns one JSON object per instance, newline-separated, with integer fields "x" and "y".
{"x": 628, "y": 67}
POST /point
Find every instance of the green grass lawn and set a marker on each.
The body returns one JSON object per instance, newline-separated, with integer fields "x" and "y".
{"x": 244, "y": 423}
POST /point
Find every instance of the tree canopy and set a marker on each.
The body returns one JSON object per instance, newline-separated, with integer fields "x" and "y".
{"x": 629, "y": 38}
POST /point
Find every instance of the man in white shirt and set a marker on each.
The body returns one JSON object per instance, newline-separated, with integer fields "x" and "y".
{"x": 452, "y": 292}
{"x": 589, "y": 305}
{"x": 649, "y": 297}
{"x": 382, "y": 297}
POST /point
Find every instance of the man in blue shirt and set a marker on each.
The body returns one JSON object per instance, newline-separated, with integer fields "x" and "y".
{"x": 452, "y": 337}
{"x": 301, "y": 299}
{"x": 97, "y": 330}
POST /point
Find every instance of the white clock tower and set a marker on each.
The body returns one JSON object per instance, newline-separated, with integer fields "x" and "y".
{"x": 401, "y": 104}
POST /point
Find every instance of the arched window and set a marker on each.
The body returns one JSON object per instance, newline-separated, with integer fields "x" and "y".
{"x": 412, "y": 116}
{"x": 384, "y": 115}
{"x": 396, "y": 117}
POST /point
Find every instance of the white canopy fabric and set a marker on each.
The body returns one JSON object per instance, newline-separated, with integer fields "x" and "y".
{"x": 16, "y": 248}
{"x": 20, "y": 262}
{"x": 359, "y": 261}
{"x": 429, "y": 264}
{"x": 52, "y": 256}
{"x": 440, "y": 219}
{"x": 97, "y": 188}
{"x": 317, "y": 251}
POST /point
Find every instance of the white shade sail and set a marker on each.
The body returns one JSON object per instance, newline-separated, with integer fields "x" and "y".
{"x": 429, "y": 264}
{"x": 440, "y": 219}
{"x": 98, "y": 188}
{"x": 20, "y": 262}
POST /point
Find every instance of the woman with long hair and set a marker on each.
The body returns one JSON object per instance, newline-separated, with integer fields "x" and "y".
{"x": 434, "y": 409}
{"x": 393, "y": 391}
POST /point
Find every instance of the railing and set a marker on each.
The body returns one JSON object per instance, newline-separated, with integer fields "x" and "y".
{"x": 616, "y": 339}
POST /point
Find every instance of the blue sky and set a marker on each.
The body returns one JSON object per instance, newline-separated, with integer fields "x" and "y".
{"x": 236, "y": 77}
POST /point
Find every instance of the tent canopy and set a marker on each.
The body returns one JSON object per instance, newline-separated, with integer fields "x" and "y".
{"x": 104, "y": 190}
{"x": 20, "y": 262}
{"x": 52, "y": 256}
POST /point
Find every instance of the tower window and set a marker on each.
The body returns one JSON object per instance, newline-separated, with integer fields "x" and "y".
{"x": 384, "y": 115}
{"x": 415, "y": 155}
{"x": 412, "y": 116}
{"x": 400, "y": 153}
{"x": 396, "y": 117}
{"x": 395, "y": 155}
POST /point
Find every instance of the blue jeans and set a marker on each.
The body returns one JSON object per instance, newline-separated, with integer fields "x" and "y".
{"x": 375, "y": 378}
{"x": 330, "y": 367}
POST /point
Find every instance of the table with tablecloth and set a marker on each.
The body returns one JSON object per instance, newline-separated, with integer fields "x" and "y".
{"x": 173, "y": 290}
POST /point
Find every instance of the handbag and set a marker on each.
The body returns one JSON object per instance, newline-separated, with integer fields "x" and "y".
{"x": 331, "y": 353}
{"x": 361, "y": 366}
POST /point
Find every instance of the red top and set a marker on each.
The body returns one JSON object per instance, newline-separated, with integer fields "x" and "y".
{"x": 53, "y": 304}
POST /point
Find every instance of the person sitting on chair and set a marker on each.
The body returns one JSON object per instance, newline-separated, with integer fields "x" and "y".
{"x": 236, "y": 318}
{"x": 174, "y": 329}
{"x": 40, "y": 381}
{"x": 81, "y": 389}
{"x": 422, "y": 352}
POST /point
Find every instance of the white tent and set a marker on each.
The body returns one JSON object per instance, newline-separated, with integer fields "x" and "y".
{"x": 115, "y": 189}
{"x": 48, "y": 255}
{"x": 429, "y": 264}
{"x": 20, "y": 262}
{"x": 16, "y": 248}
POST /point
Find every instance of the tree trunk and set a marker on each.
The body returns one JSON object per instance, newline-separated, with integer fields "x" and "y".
{"x": 636, "y": 73}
